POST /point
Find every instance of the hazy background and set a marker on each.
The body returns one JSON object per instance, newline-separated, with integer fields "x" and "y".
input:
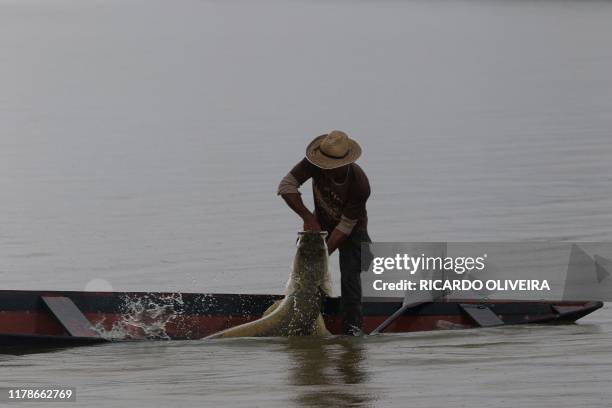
{"x": 141, "y": 142}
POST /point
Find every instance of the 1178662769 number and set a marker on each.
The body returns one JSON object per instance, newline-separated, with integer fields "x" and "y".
{"x": 39, "y": 394}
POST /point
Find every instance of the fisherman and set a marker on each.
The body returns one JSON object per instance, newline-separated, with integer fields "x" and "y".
{"x": 340, "y": 189}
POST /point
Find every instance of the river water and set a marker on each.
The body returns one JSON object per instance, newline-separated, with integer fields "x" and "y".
{"x": 141, "y": 143}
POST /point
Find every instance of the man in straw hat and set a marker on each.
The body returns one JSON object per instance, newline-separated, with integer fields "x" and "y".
{"x": 340, "y": 189}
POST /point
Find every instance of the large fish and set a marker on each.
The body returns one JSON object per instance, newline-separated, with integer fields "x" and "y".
{"x": 299, "y": 312}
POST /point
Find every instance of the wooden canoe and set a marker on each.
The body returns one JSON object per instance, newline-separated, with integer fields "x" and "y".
{"x": 67, "y": 318}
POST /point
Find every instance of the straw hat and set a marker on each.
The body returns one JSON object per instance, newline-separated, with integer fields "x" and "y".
{"x": 333, "y": 150}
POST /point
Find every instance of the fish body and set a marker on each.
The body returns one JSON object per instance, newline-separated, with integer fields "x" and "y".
{"x": 299, "y": 312}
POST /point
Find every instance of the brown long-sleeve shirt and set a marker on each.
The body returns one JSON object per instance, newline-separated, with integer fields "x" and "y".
{"x": 341, "y": 206}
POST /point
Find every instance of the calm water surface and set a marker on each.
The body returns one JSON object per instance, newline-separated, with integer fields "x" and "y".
{"x": 141, "y": 143}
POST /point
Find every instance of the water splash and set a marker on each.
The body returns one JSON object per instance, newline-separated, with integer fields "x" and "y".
{"x": 144, "y": 316}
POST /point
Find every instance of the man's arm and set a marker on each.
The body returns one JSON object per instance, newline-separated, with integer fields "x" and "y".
{"x": 340, "y": 233}
{"x": 336, "y": 239}
{"x": 288, "y": 189}
{"x": 294, "y": 201}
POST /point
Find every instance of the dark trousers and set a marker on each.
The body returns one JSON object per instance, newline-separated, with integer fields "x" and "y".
{"x": 350, "y": 281}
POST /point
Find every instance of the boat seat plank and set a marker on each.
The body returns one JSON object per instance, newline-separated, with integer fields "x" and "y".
{"x": 69, "y": 316}
{"x": 482, "y": 315}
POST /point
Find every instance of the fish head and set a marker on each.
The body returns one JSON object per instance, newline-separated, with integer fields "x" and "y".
{"x": 312, "y": 242}
{"x": 310, "y": 263}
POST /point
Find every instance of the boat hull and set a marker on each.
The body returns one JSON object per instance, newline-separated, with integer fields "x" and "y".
{"x": 188, "y": 316}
